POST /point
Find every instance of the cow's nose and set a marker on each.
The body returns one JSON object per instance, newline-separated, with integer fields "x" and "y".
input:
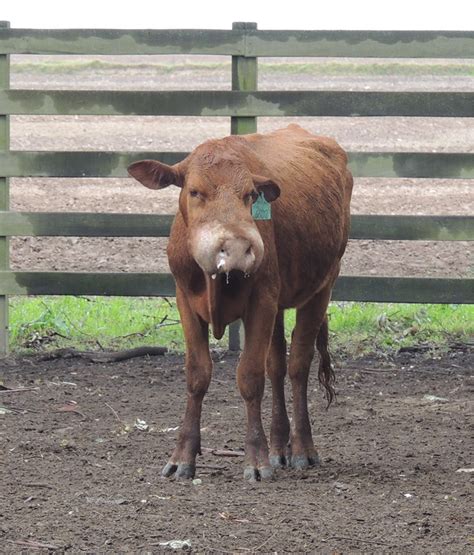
{"x": 235, "y": 254}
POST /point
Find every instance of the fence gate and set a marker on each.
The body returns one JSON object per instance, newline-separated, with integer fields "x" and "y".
{"x": 245, "y": 43}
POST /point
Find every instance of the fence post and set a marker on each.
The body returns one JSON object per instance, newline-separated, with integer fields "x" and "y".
{"x": 4, "y": 194}
{"x": 244, "y": 78}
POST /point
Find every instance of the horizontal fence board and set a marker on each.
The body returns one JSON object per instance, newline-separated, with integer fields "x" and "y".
{"x": 88, "y": 224}
{"x": 362, "y": 44}
{"x": 409, "y": 228}
{"x": 122, "y": 41}
{"x": 238, "y": 103}
{"x": 401, "y": 228}
{"x": 440, "y": 165}
{"x": 81, "y": 283}
{"x": 348, "y": 288}
{"x": 370, "y": 44}
{"x": 78, "y": 164}
{"x": 404, "y": 290}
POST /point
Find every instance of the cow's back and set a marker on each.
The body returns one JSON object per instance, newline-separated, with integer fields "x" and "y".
{"x": 311, "y": 217}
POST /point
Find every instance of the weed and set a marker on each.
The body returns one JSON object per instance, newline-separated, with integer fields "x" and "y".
{"x": 124, "y": 322}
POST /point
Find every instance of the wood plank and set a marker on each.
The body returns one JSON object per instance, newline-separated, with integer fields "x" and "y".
{"x": 365, "y": 44}
{"x": 121, "y": 41}
{"x": 78, "y": 163}
{"x": 63, "y": 224}
{"x": 404, "y": 290}
{"x": 81, "y": 283}
{"x": 362, "y": 44}
{"x": 244, "y": 78}
{"x": 66, "y": 224}
{"x": 238, "y": 103}
{"x": 412, "y": 228}
{"x": 348, "y": 288}
{"x": 438, "y": 165}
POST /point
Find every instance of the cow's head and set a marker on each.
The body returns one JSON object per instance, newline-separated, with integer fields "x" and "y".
{"x": 217, "y": 193}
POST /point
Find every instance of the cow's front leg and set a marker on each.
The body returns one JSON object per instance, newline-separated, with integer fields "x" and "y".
{"x": 258, "y": 322}
{"x": 182, "y": 463}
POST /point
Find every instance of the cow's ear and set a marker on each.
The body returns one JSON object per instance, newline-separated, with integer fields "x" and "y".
{"x": 270, "y": 190}
{"x": 155, "y": 175}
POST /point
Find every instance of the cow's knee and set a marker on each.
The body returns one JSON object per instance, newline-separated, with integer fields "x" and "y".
{"x": 198, "y": 378}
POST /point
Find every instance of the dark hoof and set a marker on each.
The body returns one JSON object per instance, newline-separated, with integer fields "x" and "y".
{"x": 252, "y": 474}
{"x": 300, "y": 462}
{"x": 184, "y": 471}
{"x": 279, "y": 461}
{"x": 168, "y": 470}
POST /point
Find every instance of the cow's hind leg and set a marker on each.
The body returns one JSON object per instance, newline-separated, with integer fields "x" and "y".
{"x": 311, "y": 323}
{"x": 276, "y": 370}
{"x": 182, "y": 463}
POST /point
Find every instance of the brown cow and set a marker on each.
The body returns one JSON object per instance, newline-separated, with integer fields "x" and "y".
{"x": 227, "y": 266}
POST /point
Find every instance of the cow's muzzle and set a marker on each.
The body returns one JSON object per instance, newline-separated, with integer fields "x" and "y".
{"x": 219, "y": 250}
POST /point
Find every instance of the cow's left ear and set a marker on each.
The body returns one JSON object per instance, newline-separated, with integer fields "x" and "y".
{"x": 156, "y": 175}
{"x": 270, "y": 190}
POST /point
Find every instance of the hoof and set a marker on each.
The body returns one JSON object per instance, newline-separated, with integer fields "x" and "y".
{"x": 300, "y": 462}
{"x": 183, "y": 471}
{"x": 279, "y": 461}
{"x": 253, "y": 474}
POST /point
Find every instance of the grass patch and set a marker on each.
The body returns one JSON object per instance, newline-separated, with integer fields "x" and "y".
{"x": 308, "y": 68}
{"x": 39, "y": 323}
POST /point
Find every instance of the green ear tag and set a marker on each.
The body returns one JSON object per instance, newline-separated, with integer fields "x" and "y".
{"x": 261, "y": 209}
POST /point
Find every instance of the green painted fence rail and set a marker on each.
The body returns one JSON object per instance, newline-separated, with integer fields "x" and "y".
{"x": 348, "y": 288}
{"x": 238, "y": 103}
{"x": 243, "y": 104}
{"x": 240, "y": 42}
{"x": 20, "y": 163}
{"x": 67, "y": 224}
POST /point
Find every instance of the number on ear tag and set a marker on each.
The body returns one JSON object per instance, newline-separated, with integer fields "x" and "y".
{"x": 261, "y": 209}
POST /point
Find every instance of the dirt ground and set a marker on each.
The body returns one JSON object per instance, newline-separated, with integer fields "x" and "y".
{"x": 392, "y": 447}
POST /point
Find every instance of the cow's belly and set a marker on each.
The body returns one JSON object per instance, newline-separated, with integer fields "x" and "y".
{"x": 306, "y": 268}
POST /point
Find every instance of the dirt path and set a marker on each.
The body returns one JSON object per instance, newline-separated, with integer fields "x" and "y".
{"x": 90, "y": 480}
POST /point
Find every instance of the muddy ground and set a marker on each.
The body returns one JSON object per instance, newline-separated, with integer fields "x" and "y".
{"x": 392, "y": 447}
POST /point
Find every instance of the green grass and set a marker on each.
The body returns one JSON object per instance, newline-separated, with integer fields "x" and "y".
{"x": 311, "y": 68}
{"x": 39, "y": 323}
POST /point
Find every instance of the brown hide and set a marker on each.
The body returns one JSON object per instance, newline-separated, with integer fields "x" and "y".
{"x": 229, "y": 266}
{"x": 304, "y": 240}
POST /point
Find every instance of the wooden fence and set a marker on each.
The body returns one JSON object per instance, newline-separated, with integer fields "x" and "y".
{"x": 242, "y": 104}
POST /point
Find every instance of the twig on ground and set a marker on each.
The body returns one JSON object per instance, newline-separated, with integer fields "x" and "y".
{"x": 71, "y": 406}
{"x": 376, "y": 542}
{"x": 211, "y": 466}
{"x": 34, "y": 544}
{"x": 114, "y": 412}
{"x": 38, "y": 485}
{"x": 17, "y": 390}
{"x": 224, "y": 452}
{"x": 262, "y": 544}
{"x": 106, "y": 356}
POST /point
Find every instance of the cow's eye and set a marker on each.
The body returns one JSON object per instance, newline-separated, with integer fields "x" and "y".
{"x": 251, "y": 197}
{"x": 194, "y": 193}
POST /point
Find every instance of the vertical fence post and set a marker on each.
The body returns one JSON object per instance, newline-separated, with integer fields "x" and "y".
{"x": 244, "y": 78}
{"x": 4, "y": 194}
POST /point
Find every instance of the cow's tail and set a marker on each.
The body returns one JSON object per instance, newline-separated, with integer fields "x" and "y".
{"x": 326, "y": 374}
